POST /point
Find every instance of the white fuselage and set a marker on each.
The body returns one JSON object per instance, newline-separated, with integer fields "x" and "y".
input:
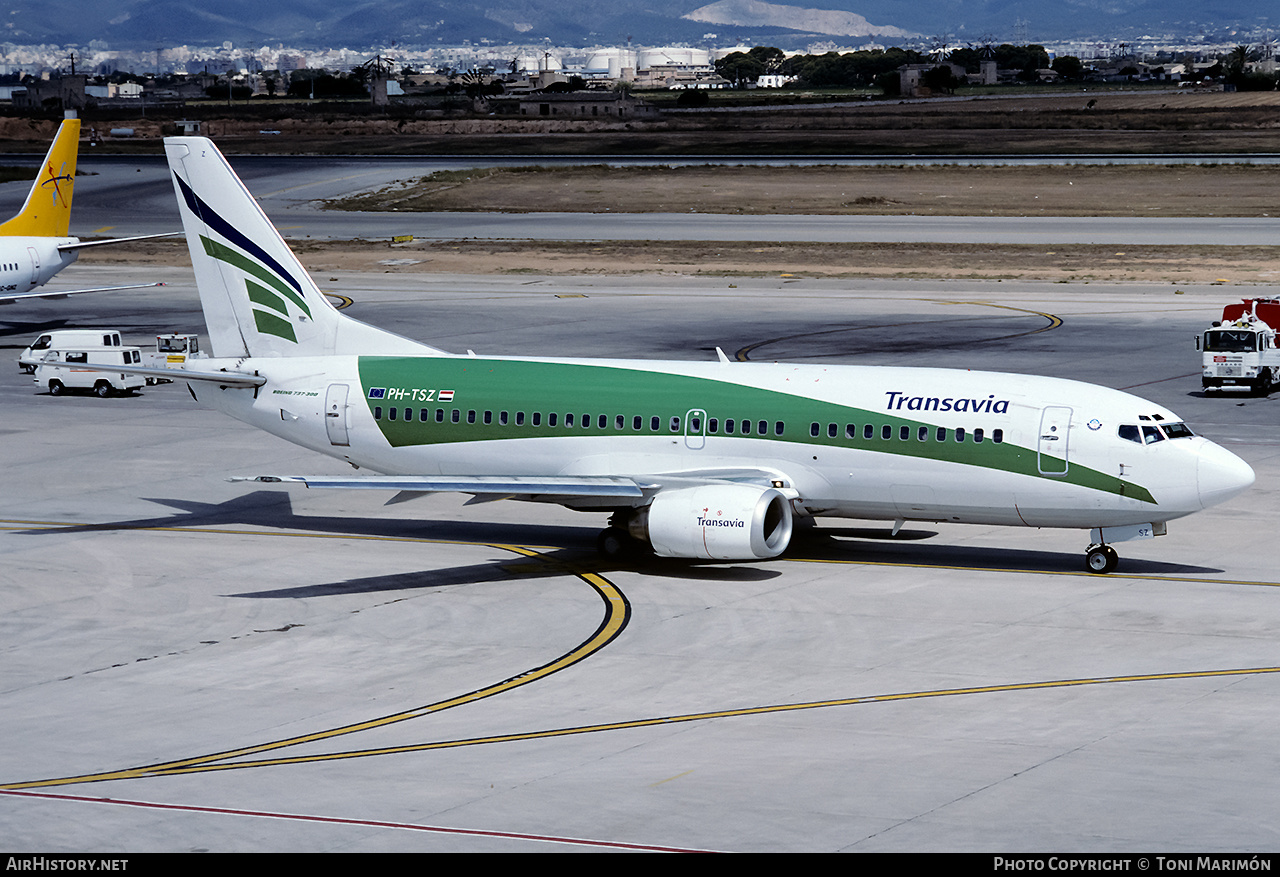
{"x": 890, "y": 443}
{"x": 29, "y": 262}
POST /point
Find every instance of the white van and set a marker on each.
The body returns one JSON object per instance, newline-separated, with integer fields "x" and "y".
{"x": 64, "y": 338}
{"x": 56, "y": 369}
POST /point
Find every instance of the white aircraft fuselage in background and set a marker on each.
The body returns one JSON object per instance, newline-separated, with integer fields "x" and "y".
{"x": 34, "y": 243}
{"x": 29, "y": 262}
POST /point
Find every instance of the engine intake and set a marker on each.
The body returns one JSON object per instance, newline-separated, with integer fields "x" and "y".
{"x": 716, "y": 522}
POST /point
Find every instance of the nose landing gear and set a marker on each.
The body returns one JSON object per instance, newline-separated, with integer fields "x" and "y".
{"x": 1101, "y": 559}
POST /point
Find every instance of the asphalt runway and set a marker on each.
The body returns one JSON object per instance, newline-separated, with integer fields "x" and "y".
{"x": 193, "y": 664}
{"x": 118, "y": 196}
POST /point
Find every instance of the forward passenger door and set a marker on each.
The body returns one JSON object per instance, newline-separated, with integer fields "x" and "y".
{"x": 1055, "y": 428}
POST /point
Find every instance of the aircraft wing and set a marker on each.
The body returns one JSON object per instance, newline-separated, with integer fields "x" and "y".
{"x": 485, "y": 487}
{"x": 563, "y": 489}
{"x": 712, "y": 514}
{"x": 63, "y": 293}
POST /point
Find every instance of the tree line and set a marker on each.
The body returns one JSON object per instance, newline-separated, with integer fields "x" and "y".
{"x": 867, "y": 68}
{"x": 878, "y": 67}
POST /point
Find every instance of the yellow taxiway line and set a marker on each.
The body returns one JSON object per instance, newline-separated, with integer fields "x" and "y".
{"x": 615, "y": 618}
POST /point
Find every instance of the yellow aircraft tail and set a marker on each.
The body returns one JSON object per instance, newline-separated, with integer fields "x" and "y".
{"x": 47, "y": 212}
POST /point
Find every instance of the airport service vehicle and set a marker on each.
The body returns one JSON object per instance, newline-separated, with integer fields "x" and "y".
{"x": 712, "y": 460}
{"x": 61, "y": 370}
{"x": 172, "y": 351}
{"x": 1239, "y": 351}
{"x": 64, "y": 338}
{"x": 34, "y": 244}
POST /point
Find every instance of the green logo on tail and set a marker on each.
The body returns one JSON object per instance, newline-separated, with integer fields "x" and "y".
{"x": 270, "y": 301}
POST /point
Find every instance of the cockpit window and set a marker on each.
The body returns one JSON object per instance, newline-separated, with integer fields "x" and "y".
{"x": 1147, "y": 435}
{"x": 1230, "y": 341}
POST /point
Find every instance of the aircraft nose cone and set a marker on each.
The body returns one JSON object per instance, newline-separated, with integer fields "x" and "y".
{"x": 1220, "y": 474}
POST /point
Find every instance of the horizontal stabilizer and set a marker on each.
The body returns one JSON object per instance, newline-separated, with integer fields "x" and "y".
{"x": 84, "y": 245}
{"x": 225, "y": 379}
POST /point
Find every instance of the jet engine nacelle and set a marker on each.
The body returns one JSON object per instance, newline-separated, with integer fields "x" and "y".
{"x": 716, "y": 522}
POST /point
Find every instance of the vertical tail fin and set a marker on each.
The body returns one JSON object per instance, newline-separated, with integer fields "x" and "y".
{"x": 257, "y": 298}
{"x": 47, "y": 211}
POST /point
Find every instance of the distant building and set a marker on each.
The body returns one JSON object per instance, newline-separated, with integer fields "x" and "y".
{"x": 61, "y": 92}
{"x": 774, "y": 80}
{"x": 115, "y": 91}
{"x": 909, "y": 76}
{"x": 678, "y": 77}
{"x": 579, "y": 104}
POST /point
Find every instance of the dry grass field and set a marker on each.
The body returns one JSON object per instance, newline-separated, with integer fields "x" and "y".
{"x": 920, "y": 190}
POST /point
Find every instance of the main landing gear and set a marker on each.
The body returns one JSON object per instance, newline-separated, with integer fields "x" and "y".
{"x": 616, "y": 544}
{"x": 1101, "y": 559}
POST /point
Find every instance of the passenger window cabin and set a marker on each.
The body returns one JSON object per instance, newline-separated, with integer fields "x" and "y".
{"x": 848, "y": 432}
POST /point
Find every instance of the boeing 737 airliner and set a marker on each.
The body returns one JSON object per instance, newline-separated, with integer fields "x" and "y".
{"x": 713, "y": 460}
{"x": 34, "y": 244}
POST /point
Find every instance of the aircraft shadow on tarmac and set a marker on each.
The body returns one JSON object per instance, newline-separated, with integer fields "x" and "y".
{"x": 877, "y": 545}
{"x": 274, "y": 509}
{"x": 23, "y": 331}
{"x": 549, "y": 564}
{"x": 505, "y": 570}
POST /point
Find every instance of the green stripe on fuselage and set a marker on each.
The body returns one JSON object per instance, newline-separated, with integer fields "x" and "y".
{"x": 496, "y": 386}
